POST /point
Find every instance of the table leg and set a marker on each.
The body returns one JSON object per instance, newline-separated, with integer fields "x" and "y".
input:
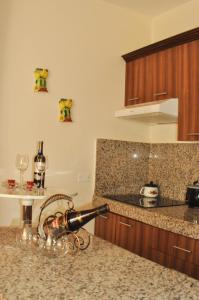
{"x": 27, "y": 210}
{"x": 27, "y": 213}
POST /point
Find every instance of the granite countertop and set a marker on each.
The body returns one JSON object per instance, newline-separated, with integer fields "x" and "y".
{"x": 102, "y": 271}
{"x": 177, "y": 219}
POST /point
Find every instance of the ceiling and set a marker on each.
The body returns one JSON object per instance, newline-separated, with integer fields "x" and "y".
{"x": 149, "y": 7}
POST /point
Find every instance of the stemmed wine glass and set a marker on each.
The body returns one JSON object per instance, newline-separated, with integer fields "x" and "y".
{"x": 22, "y": 161}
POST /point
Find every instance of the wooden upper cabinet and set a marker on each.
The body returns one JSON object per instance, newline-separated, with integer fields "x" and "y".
{"x": 163, "y": 74}
{"x": 168, "y": 69}
{"x": 151, "y": 78}
{"x": 135, "y": 81}
{"x": 187, "y": 80}
{"x": 138, "y": 86}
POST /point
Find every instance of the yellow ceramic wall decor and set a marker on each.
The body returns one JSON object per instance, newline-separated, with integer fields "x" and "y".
{"x": 65, "y": 110}
{"x": 40, "y": 80}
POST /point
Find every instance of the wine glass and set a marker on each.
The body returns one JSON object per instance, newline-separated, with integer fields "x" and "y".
{"x": 25, "y": 235}
{"x": 22, "y": 161}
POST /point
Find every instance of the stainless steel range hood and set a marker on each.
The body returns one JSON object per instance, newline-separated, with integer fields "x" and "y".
{"x": 157, "y": 112}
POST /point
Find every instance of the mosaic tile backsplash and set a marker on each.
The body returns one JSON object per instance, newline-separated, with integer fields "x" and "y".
{"x": 124, "y": 167}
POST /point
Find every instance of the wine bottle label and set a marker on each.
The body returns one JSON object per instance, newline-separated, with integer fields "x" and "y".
{"x": 39, "y": 179}
{"x": 39, "y": 166}
{"x": 37, "y": 176}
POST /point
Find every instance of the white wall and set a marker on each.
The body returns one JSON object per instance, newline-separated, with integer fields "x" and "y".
{"x": 180, "y": 19}
{"x": 81, "y": 43}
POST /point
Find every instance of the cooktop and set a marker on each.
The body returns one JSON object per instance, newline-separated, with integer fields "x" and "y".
{"x": 145, "y": 202}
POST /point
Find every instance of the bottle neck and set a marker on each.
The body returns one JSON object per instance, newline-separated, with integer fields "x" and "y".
{"x": 77, "y": 219}
{"x": 40, "y": 149}
{"x": 103, "y": 209}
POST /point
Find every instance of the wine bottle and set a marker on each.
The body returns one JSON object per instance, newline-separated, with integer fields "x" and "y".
{"x": 39, "y": 167}
{"x": 73, "y": 220}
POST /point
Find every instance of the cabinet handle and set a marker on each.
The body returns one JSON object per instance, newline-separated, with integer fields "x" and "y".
{"x": 160, "y": 94}
{"x": 182, "y": 249}
{"x": 104, "y": 217}
{"x": 193, "y": 133}
{"x": 125, "y": 224}
{"x": 134, "y": 99}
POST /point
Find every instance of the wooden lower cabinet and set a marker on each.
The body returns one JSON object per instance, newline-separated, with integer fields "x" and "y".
{"x": 105, "y": 226}
{"x": 161, "y": 246}
{"x": 125, "y": 233}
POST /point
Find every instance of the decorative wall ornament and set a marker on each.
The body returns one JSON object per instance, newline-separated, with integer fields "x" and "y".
{"x": 40, "y": 80}
{"x": 65, "y": 110}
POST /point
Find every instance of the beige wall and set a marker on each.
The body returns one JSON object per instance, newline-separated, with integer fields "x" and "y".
{"x": 81, "y": 43}
{"x": 180, "y": 19}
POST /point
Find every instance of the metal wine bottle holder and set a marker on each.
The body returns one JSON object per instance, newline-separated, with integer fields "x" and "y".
{"x": 68, "y": 242}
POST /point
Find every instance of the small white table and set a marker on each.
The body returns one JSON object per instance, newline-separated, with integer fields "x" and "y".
{"x": 27, "y": 198}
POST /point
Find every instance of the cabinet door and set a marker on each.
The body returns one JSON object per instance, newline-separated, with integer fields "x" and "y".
{"x": 172, "y": 250}
{"x": 134, "y": 236}
{"x": 143, "y": 239}
{"x": 196, "y": 253}
{"x": 154, "y": 246}
{"x": 160, "y": 240}
{"x": 135, "y": 82}
{"x": 181, "y": 247}
{"x": 181, "y": 251}
{"x": 105, "y": 227}
{"x": 188, "y": 91}
{"x": 125, "y": 233}
{"x": 163, "y": 74}
{"x": 195, "y": 261}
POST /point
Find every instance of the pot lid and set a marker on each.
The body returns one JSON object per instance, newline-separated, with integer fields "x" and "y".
{"x": 195, "y": 185}
{"x": 151, "y": 184}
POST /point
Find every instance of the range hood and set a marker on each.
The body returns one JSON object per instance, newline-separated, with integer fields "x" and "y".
{"x": 157, "y": 112}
